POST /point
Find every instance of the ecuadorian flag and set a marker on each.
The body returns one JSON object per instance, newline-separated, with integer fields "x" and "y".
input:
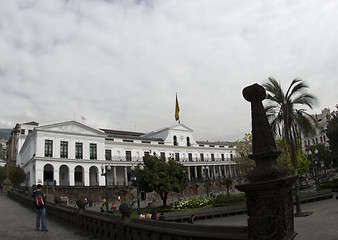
{"x": 177, "y": 110}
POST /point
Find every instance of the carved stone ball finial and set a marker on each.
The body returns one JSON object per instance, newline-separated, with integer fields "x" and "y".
{"x": 254, "y": 93}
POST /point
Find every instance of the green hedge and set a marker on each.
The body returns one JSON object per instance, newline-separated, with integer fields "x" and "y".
{"x": 220, "y": 200}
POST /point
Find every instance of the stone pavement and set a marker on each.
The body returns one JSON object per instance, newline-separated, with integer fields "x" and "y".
{"x": 18, "y": 222}
{"x": 321, "y": 224}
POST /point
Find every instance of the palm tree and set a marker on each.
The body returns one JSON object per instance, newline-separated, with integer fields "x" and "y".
{"x": 287, "y": 121}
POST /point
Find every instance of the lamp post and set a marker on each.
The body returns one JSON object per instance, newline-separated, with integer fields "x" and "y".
{"x": 314, "y": 163}
{"x": 105, "y": 169}
{"x": 206, "y": 173}
{"x": 137, "y": 179}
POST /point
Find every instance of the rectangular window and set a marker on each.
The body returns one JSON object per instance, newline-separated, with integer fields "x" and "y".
{"x": 202, "y": 157}
{"x": 23, "y": 131}
{"x": 190, "y": 157}
{"x": 108, "y": 154}
{"x": 163, "y": 155}
{"x": 64, "y": 149}
{"x": 128, "y": 155}
{"x": 146, "y": 153}
{"x": 92, "y": 151}
{"x": 212, "y": 157}
{"x": 222, "y": 155}
{"x": 48, "y": 148}
{"x": 177, "y": 157}
{"x": 78, "y": 150}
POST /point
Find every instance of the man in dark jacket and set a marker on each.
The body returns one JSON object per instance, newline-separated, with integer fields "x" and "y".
{"x": 40, "y": 205}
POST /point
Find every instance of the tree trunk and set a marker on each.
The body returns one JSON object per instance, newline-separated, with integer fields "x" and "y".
{"x": 298, "y": 208}
{"x": 164, "y": 197}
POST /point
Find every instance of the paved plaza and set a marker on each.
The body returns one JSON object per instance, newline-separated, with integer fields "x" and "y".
{"x": 18, "y": 222}
{"x": 322, "y": 224}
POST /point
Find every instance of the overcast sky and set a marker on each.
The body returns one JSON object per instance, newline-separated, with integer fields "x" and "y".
{"x": 120, "y": 63}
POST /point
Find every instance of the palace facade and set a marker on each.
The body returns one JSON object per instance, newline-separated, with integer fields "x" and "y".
{"x": 71, "y": 153}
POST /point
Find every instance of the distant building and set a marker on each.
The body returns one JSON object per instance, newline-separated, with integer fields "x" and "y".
{"x": 73, "y": 154}
{"x": 17, "y": 138}
{"x": 319, "y": 135}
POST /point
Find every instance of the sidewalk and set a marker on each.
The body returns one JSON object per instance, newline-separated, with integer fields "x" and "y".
{"x": 18, "y": 222}
{"x": 321, "y": 224}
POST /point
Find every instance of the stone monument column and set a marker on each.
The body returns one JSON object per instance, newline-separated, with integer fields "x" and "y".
{"x": 269, "y": 193}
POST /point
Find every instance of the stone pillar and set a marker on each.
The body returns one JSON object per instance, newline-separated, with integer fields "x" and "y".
{"x": 269, "y": 193}
{"x": 189, "y": 176}
{"x": 71, "y": 177}
{"x": 220, "y": 171}
{"x": 196, "y": 175}
{"x": 214, "y": 171}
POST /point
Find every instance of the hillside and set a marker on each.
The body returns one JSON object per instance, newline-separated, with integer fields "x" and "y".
{"x": 5, "y": 133}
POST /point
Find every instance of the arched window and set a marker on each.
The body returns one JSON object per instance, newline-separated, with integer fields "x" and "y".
{"x": 188, "y": 142}
{"x": 175, "y": 141}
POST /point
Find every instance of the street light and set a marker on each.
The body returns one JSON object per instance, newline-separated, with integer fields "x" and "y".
{"x": 314, "y": 163}
{"x": 137, "y": 178}
{"x": 105, "y": 169}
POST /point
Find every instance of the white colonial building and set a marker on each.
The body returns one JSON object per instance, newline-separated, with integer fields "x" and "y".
{"x": 73, "y": 154}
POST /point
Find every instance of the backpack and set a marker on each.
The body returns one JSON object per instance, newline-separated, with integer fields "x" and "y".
{"x": 39, "y": 201}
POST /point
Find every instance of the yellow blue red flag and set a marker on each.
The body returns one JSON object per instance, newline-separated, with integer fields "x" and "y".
{"x": 177, "y": 110}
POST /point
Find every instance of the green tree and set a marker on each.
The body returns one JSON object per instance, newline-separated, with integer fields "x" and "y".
{"x": 287, "y": 121}
{"x": 244, "y": 149}
{"x": 332, "y": 134}
{"x": 284, "y": 159}
{"x": 16, "y": 174}
{"x": 323, "y": 154}
{"x": 161, "y": 176}
{"x": 227, "y": 182}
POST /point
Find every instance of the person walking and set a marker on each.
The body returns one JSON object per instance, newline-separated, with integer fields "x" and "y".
{"x": 40, "y": 206}
{"x": 191, "y": 219}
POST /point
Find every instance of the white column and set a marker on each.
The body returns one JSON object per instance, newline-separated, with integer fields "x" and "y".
{"x": 57, "y": 176}
{"x": 114, "y": 176}
{"x": 86, "y": 176}
{"x": 71, "y": 177}
{"x": 220, "y": 171}
{"x": 125, "y": 176}
{"x": 196, "y": 176}
{"x": 214, "y": 170}
{"x": 189, "y": 176}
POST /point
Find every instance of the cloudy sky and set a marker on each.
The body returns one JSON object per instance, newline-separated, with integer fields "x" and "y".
{"x": 120, "y": 63}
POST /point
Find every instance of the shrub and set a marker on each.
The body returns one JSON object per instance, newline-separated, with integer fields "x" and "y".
{"x": 224, "y": 200}
{"x": 192, "y": 203}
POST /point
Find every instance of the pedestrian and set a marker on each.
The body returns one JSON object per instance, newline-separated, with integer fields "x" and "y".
{"x": 40, "y": 205}
{"x": 161, "y": 218}
{"x": 192, "y": 219}
{"x": 148, "y": 216}
{"x": 113, "y": 208}
{"x": 154, "y": 214}
{"x": 104, "y": 203}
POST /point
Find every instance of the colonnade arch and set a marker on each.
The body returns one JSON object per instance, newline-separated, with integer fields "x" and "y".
{"x": 48, "y": 174}
{"x": 93, "y": 176}
{"x": 79, "y": 176}
{"x": 64, "y": 175}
